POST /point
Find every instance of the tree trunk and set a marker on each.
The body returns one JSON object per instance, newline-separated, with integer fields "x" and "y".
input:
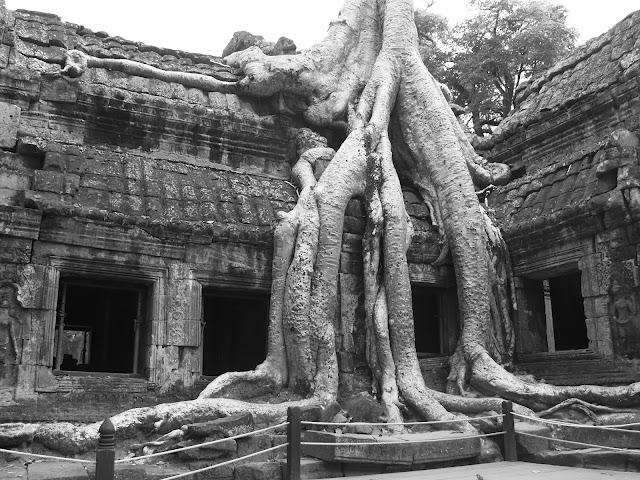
{"x": 367, "y": 67}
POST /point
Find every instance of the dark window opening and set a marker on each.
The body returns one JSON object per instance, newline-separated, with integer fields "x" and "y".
{"x": 235, "y": 332}
{"x": 434, "y": 318}
{"x": 531, "y": 327}
{"x": 552, "y": 315}
{"x": 426, "y": 320}
{"x": 569, "y": 327}
{"x": 99, "y": 326}
{"x": 607, "y": 181}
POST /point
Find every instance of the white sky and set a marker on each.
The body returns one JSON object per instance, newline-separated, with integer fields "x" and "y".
{"x": 205, "y": 26}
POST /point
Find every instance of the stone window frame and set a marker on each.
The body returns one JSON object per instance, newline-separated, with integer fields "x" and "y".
{"x": 545, "y": 269}
{"x": 448, "y": 318}
{"x": 155, "y": 277}
{"x": 208, "y": 280}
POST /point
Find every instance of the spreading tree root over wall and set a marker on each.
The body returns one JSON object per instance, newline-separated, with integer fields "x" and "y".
{"x": 366, "y": 76}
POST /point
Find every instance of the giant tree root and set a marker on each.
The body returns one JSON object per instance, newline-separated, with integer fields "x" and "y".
{"x": 590, "y": 410}
{"x": 72, "y": 439}
{"x": 367, "y": 67}
{"x": 488, "y": 376}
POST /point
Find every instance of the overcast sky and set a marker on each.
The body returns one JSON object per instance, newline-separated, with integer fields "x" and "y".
{"x": 205, "y": 26}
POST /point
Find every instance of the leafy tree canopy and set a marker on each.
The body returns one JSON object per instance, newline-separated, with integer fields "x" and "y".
{"x": 504, "y": 43}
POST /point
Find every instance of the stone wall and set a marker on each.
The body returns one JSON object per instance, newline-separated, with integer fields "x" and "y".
{"x": 574, "y": 143}
{"x": 134, "y": 180}
{"x": 129, "y": 179}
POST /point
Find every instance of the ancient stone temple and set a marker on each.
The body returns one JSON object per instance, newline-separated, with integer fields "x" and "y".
{"x": 572, "y": 218}
{"x": 136, "y": 218}
{"x": 136, "y": 222}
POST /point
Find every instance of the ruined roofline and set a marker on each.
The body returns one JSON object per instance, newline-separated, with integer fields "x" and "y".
{"x": 596, "y": 65}
{"x": 66, "y": 35}
{"x": 570, "y": 61}
{"x": 143, "y": 47}
{"x": 136, "y": 50}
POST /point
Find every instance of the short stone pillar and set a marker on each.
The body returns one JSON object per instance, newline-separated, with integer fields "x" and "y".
{"x": 293, "y": 443}
{"x": 508, "y": 427}
{"x": 106, "y": 452}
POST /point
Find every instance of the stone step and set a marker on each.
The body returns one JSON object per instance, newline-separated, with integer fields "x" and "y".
{"x": 55, "y": 470}
{"x": 40, "y": 470}
{"x": 596, "y": 458}
{"x": 411, "y": 449}
{"x": 313, "y": 468}
{"x": 162, "y": 471}
{"x": 579, "y": 370}
{"x": 310, "y": 468}
{"x": 258, "y": 471}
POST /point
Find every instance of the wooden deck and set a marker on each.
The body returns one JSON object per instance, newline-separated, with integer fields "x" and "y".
{"x": 505, "y": 471}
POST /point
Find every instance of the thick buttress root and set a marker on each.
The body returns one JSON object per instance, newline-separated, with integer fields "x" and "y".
{"x": 367, "y": 67}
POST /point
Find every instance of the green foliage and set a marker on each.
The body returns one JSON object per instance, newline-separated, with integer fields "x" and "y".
{"x": 435, "y": 38}
{"x": 503, "y": 44}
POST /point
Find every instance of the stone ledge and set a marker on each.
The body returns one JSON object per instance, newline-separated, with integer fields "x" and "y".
{"x": 412, "y": 448}
{"x": 20, "y": 222}
{"x": 56, "y": 471}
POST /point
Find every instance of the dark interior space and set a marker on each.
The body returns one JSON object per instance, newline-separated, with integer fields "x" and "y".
{"x": 235, "y": 331}
{"x": 607, "y": 181}
{"x": 569, "y": 328}
{"x": 532, "y": 326}
{"x": 426, "y": 319}
{"x": 101, "y": 326}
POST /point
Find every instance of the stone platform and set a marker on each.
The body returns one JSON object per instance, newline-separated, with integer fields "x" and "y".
{"x": 410, "y": 449}
{"x": 505, "y": 470}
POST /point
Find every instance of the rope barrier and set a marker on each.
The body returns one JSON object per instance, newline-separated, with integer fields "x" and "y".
{"x": 626, "y": 450}
{"x": 434, "y": 422}
{"x": 576, "y": 425}
{"x": 402, "y": 442}
{"x": 222, "y": 464}
{"x": 622, "y": 426}
{"x": 205, "y": 444}
{"x": 50, "y": 457}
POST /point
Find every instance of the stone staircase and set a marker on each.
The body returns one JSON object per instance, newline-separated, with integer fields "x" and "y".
{"x": 578, "y": 368}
